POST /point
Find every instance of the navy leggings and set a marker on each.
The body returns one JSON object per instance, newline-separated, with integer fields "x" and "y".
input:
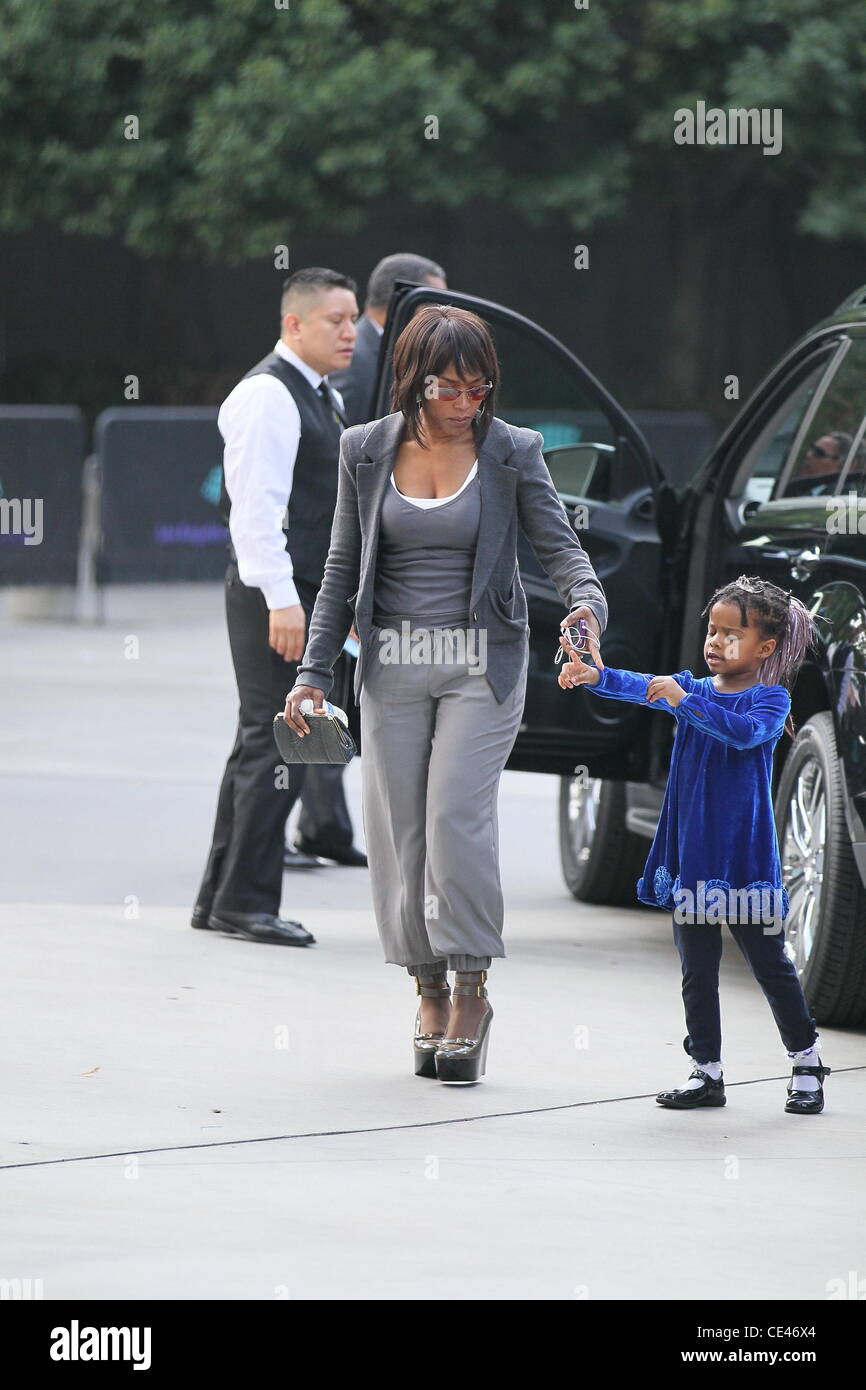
{"x": 700, "y": 951}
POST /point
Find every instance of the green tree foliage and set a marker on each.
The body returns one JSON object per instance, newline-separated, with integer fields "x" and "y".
{"x": 256, "y": 121}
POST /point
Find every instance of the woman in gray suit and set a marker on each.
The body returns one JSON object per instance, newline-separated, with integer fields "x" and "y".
{"x": 423, "y": 549}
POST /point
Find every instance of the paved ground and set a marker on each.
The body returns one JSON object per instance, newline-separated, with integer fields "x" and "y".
{"x": 189, "y": 1116}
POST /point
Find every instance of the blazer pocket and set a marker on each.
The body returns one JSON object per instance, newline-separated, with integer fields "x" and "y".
{"x": 506, "y": 607}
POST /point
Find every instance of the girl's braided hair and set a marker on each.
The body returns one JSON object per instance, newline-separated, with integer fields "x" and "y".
{"x": 776, "y": 613}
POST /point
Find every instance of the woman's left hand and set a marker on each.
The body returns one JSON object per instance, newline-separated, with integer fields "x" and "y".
{"x": 593, "y": 633}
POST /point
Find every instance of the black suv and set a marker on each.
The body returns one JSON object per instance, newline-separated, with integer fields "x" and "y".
{"x": 762, "y": 504}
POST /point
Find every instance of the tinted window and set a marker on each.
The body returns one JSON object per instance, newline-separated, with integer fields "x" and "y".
{"x": 822, "y": 454}
{"x": 763, "y": 464}
{"x": 541, "y": 389}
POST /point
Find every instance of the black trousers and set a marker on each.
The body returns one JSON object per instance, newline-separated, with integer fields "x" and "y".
{"x": 244, "y": 871}
{"x": 324, "y": 820}
{"x": 700, "y": 950}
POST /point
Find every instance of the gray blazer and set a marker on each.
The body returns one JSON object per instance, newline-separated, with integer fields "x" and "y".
{"x": 516, "y": 487}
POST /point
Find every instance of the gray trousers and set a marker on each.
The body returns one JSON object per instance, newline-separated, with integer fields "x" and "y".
{"x": 435, "y": 741}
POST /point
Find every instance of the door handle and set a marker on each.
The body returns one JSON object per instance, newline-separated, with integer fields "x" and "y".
{"x": 803, "y": 564}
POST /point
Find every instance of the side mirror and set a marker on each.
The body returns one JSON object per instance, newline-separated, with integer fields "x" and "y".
{"x": 581, "y": 470}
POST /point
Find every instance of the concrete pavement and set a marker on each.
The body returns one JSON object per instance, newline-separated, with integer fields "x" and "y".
{"x": 191, "y": 1116}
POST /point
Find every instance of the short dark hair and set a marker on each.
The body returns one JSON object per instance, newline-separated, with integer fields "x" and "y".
{"x": 402, "y": 266}
{"x": 313, "y": 280}
{"x": 843, "y": 443}
{"x": 435, "y": 336}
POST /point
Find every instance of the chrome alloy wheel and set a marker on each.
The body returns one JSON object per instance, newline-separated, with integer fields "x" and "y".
{"x": 584, "y": 794}
{"x": 803, "y": 845}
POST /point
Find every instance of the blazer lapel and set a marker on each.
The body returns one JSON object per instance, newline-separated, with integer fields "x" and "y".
{"x": 496, "y": 476}
{"x": 498, "y": 480}
{"x": 371, "y": 478}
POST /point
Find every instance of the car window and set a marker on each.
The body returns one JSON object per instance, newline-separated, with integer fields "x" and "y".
{"x": 765, "y": 460}
{"x": 540, "y": 391}
{"x": 822, "y": 454}
{"x": 855, "y": 478}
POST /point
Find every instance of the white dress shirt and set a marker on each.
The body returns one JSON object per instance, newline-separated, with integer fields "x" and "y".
{"x": 261, "y": 428}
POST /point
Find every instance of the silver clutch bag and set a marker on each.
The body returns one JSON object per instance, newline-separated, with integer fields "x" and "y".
{"x": 328, "y": 741}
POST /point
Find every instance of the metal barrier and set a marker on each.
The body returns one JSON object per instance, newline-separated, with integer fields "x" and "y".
{"x": 159, "y": 474}
{"x": 41, "y": 453}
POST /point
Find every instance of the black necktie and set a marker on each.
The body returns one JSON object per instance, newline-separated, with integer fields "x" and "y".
{"x": 331, "y": 402}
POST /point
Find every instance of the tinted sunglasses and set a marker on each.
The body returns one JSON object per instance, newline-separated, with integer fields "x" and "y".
{"x": 452, "y": 393}
{"x": 822, "y": 453}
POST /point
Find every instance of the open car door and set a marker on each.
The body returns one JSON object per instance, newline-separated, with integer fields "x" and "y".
{"x": 623, "y": 511}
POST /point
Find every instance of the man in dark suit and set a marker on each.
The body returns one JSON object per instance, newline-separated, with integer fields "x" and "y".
{"x": 357, "y": 382}
{"x": 281, "y": 426}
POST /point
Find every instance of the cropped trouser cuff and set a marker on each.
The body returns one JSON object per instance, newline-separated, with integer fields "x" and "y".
{"x": 431, "y": 967}
{"x": 438, "y": 967}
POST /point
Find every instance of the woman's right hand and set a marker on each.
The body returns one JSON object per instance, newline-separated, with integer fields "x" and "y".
{"x": 294, "y": 699}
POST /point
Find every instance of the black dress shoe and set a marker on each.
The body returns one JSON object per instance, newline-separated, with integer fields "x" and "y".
{"x": 261, "y": 926}
{"x": 297, "y": 859}
{"x": 348, "y": 854}
{"x": 710, "y": 1093}
{"x": 807, "y": 1102}
{"x": 199, "y": 917}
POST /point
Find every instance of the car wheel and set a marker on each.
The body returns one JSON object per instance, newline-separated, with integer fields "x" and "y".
{"x": 601, "y": 859}
{"x": 825, "y": 928}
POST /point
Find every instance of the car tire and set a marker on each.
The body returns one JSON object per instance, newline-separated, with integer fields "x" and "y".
{"x": 601, "y": 859}
{"x": 825, "y": 928}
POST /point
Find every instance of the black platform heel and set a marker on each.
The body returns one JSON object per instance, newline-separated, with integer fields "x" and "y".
{"x": 807, "y": 1102}
{"x": 424, "y": 1044}
{"x": 463, "y": 1061}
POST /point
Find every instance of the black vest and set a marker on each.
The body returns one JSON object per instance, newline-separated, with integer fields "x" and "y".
{"x": 314, "y": 482}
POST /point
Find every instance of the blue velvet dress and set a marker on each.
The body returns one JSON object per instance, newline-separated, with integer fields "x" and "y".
{"x": 716, "y": 832}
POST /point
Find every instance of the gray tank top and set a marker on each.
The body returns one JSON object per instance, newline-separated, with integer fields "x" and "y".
{"x": 426, "y": 558}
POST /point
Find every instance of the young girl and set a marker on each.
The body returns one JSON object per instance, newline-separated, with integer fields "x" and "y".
{"x": 716, "y": 845}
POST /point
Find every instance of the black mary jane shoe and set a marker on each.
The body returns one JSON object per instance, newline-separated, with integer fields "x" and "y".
{"x": 807, "y": 1102}
{"x": 710, "y": 1093}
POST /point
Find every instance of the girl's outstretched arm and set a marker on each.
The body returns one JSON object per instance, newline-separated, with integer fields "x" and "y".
{"x": 765, "y": 720}
{"x": 632, "y": 686}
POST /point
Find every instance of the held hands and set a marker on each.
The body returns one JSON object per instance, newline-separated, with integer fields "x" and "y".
{"x": 576, "y": 671}
{"x": 593, "y": 630}
{"x": 287, "y": 630}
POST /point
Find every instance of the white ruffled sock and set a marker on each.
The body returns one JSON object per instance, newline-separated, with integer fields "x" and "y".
{"x": 711, "y": 1069}
{"x": 809, "y": 1058}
